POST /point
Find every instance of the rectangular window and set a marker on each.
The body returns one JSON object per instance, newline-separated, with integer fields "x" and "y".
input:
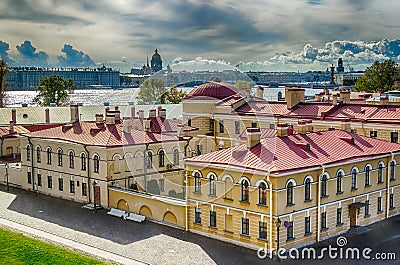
{"x": 161, "y": 184}
{"x": 307, "y": 225}
{"x": 237, "y": 127}
{"x": 289, "y": 231}
{"x": 29, "y": 178}
{"x": 199, "y": 149}
{"x": 262, "y": 230}
{"x": 39, "y": 180}
{"x": 272, "y": 125}
{"x": 373, "y": 134}
{"x": 84, "y": 189}
{"x": 379, "y": 204}
{"x": 221, "y": 126}
{"x": 245, "y": 226}
{"x": 254, "y": 125}
{"x": 189, "y": 123}
{"x": 339, "y": 216}
{"x": 394, "y": 137}
{"x": 391, "y": 201}
{"x": 323, "y": 221}
{"x": 49, "y": 182}
{"x": 213, "y": 219}
{"x": 60, "y": 184}
{"x": 366, "y": 209}
{"x": 353, "y": 131}
{"x": 197, "y": 215}
{"x": 72, "y": 186}
{"x": 212, "y": 123}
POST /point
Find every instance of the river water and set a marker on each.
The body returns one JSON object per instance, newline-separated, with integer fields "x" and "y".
{"x": 119, "y": 97}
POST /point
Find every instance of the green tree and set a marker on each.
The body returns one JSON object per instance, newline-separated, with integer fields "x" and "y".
{"x": 4, "y": 85}
{"x": 244, "y": 85}
{"x": 54, "y": 89}
{"x": 175, "y": 96}
{"x": 152, "y": 90}
{"x": 379, "y": 77}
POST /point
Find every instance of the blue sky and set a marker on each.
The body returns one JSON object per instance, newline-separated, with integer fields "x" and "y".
{"x": 269, "y": 34}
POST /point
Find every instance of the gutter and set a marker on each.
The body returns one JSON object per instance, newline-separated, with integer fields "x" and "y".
{"x": 319, "y": 204}
{"x": 88, "y": 171}
{"x": 32, "y": 168}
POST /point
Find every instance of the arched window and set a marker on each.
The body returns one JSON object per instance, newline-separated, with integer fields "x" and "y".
{"x": 96, "y": 163}
{"x": 83, "y": 162}
{"x": 289, "y": 193}
{"x": 38, "y": 154}
{"x": 48, "y": 154}
{"x": 307, "y": 189}
{"x": 212, "y": 184}
{"x": 354, "y": 179}
{"x": 60, "y": 157}
{"x": 161, "y": 158}
{"x": 176, "y": 157}
{"x": 367, "y": 175}
{"x": 262, "y": 194}
{"x": 71, "y": 156}
{"x": 339, "y": 181}
{"x": 28, "y": 153}
{"x": 149, "y": 162}
{"x": 392, "y": 170}
{"x": 197, "y": 182}
{"x": 324, "y": 185}
{"x": 228, "y": 187}
{"x": 380, "y": 172}
{"x": 245, "y": 190}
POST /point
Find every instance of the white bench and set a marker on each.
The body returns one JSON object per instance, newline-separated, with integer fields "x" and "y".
{"x": 116, "y": 212}
{"x": 135, "y": 217}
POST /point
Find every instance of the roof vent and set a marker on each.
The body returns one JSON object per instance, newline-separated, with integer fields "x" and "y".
{"x": 349, "y": 140}
{"x": 304, "y": 146}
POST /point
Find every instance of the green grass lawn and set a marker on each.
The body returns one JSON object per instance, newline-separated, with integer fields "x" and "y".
{"x": 16, "y": 248}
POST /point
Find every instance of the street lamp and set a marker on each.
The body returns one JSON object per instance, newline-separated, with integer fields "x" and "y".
{"x": 278, "y": 225}
{"x": 94, "y": 196}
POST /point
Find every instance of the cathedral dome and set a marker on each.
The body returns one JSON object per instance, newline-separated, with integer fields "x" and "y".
{"x": 215, "y": 89}
{"x": 156, "y": 55}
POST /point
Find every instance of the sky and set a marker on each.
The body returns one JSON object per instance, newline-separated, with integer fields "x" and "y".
{"x": 253, "y": 35}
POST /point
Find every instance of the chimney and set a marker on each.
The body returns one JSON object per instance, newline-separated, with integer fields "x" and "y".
{"x": 345, "y": 96}
{"x": 141, "y": 113}
{"x": 74, "y": 112}
{"x": 163, "y": 113}
{"x": 99, "y": 118}
{"x": 116, "y": 113}
{"x": 317, "y": 97}
{"x": 107, "y": 110}
{"x": 159, "y": 111}
{"x": 281, "y": 129}
{"x": 133, "y": 112}
{"x": 334, "y": 99}
{"x": 110, "y": 119}
{"x": 152, "y": 113}
{"x": 147, "y": 125}
{"x": 116, "y": 108}
{"x": 290, "y": 130}
{"x": 11, "y": 128}
{"x": 294, "y": 96}
{"x": 14, "y": 115}
{"x": 253, "y": 137}
{"x": 346, "y": 126}
{"x": 260, "y": 92}
{"x": 309, "y": 127}
{"x": 47, "y": 115}
{"x": 302, "y": 127}
{"x": 384, "y": 100}
{"x": 127, "y": 125}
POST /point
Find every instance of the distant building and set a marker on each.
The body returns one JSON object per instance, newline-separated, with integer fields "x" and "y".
{"x": 156, "y": 62}
{"x": 340, "y": 67}
{"x": 28, "y": 78}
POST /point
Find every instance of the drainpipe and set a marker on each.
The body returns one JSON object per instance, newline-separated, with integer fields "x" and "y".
{"x": 388, "y": 186}
{"x": 319, "y": 204}
{"x": 32, "y": 168}
{"x": 270, "y": 211}
{"x": 186, "y": 199}
{"x": 145, "y": 166}
{"x": 186, "y": 145}
{"x": 88, "y": 171}
{"x": 1, "y": 147}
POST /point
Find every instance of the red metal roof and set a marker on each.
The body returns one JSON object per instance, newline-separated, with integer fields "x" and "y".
{"x": 263, "y": 107}
{"x": 90, "y": 133}
{"x": 264, "y": 133}
{"x": 213, "y": 90}
{"x": 283, "y": 154}
{"x": 311, "y": 109}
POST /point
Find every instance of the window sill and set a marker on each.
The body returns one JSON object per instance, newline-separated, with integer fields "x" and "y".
{"x": 228, "y": 199}
{"x": 392, "y": 208}
{"x": 309, "y": 200}
{"x": 290, "y": 239}
{"x": 392, "y": 179}
{"x": 378, "y": 212}
{"x": 247, "y": 202}
{"x": 324, "y": 229}
{"x": 353, "y": 189}
{"x": 367, "y": 215}
{"x": 262, "y": 205}
{"x": 380, "y": 182}
{"x": 212, "y": 195}
{"x": 228, "y": 231}
{"x": 368, "y": 185}
{"x": 339, "y": 224}
{"x": 325, "y": 196}
{"x": 263, "y": 239}
{"x": 197, "y": 223}
{"x": 213, "y": 227}
{"x": 290, "y": 204}
{"x": 308, "y": 233}
{"x": 339, "y": 192}
{"x": 245, "y": 235}
{"x": 197, "y": 192}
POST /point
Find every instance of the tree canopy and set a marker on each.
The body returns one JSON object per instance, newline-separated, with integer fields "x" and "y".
{"x": 4, "y": 85}
{"x": 175, "y": 96}
{"x": 152, "y": 90}
{"x": 54, "y": 89}
{"x": 379, "y": 77}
